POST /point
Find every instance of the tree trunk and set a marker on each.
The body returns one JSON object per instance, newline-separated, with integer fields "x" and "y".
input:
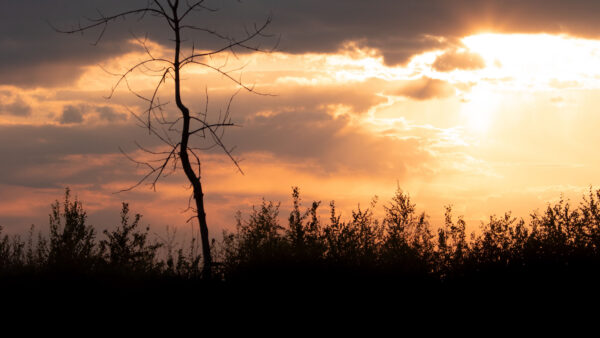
{"x": 185, "y": 159}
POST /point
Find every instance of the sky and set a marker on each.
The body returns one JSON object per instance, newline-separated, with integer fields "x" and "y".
{"x": 486, "y": 105}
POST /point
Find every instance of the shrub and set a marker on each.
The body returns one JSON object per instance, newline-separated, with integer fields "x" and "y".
{"x": 126, "y": 248}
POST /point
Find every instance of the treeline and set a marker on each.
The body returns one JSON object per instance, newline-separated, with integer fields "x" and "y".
{"x": 561, "y": 243}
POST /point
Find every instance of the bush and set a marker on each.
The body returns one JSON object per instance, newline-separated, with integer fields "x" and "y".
{"x": 128, "y": 249}
{"x": 72, "y": 243}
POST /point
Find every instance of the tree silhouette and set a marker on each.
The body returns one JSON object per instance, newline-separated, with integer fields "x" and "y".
{"x": 71, "y": 239}
{"x": 179, "y": 134}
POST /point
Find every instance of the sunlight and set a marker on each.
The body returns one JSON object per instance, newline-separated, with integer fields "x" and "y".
{"x": 478, "y": 110}
{"x": 537, "y": 61}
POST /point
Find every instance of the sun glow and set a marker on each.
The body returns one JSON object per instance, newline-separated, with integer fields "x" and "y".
{"x": 523, "y": 65}
{"x": 537, "y": 61}
{"x": 479, "y": 108}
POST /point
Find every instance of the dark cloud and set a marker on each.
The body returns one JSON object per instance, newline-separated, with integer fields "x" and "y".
{"x": 56, "y": 141}
{"x": 108, "y": 114}
{"x": 47, "y": 155}
{"x": 453, "y": 60}
{"x": 400, "y": 29}
{"x": 426, "y": 88}
{"x": 33, "y": 54}
{"x": 71, "y": 115}
{"x": 42, "y": 74}
{"x": 16, "y": 108}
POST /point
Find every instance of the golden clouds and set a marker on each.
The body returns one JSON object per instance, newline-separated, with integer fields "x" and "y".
{"x": 454, "y": 59}
{"x": 426, "y": 88}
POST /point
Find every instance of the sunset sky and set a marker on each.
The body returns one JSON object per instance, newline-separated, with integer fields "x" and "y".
{"x": 488, "y": 106}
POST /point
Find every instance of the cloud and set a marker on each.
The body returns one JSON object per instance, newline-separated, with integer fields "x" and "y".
{"x": 399, "y": 50}
{"x": 51, "y": 155}
{"x": 40, "y": 73}
{"x": 426, "y": 88}
{"x": 47, "y": 155}
{"x": 557, "y": 84}
{"x": 71, "y": 115}
{"x": 330, "y": 145}
{"x": 108, "y": 114}
{"x": 358, "y": 97}
{"x": 33, "y": 54}
{"x": 400, "y": 29}
{"x": 16, "y": 108}
{"x": 462, "y": 60}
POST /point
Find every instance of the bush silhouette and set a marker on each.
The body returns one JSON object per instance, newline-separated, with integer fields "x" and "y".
{"x": 127, "y": 249}
{"x": 557, "y": 248}
{"x": 71, "y": 242}
{"x": 407, "y": 240}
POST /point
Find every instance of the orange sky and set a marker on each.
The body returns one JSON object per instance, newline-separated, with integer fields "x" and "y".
{"x": 496, "y": 116}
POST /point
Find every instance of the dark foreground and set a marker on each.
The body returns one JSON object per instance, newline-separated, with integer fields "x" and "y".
{"x": 550, "y": 264}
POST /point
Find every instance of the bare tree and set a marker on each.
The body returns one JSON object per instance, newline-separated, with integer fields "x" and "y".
{"x": 179, "y": 132}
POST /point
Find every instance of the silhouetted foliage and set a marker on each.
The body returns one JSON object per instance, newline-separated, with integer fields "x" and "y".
{"x": 71, "y": 242}
{"x": 179, "y": 263}
{"x": 128, "y": 249}
{"x": 556, "y": 247}
{"x": 304, "y": 232}
{"x": 257, "y": 243}
{"x": 407, "y": 239}
{"x": 559, "y": 243}
{"x": 11, "y": 252}
{"x": 355, "y": 242}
